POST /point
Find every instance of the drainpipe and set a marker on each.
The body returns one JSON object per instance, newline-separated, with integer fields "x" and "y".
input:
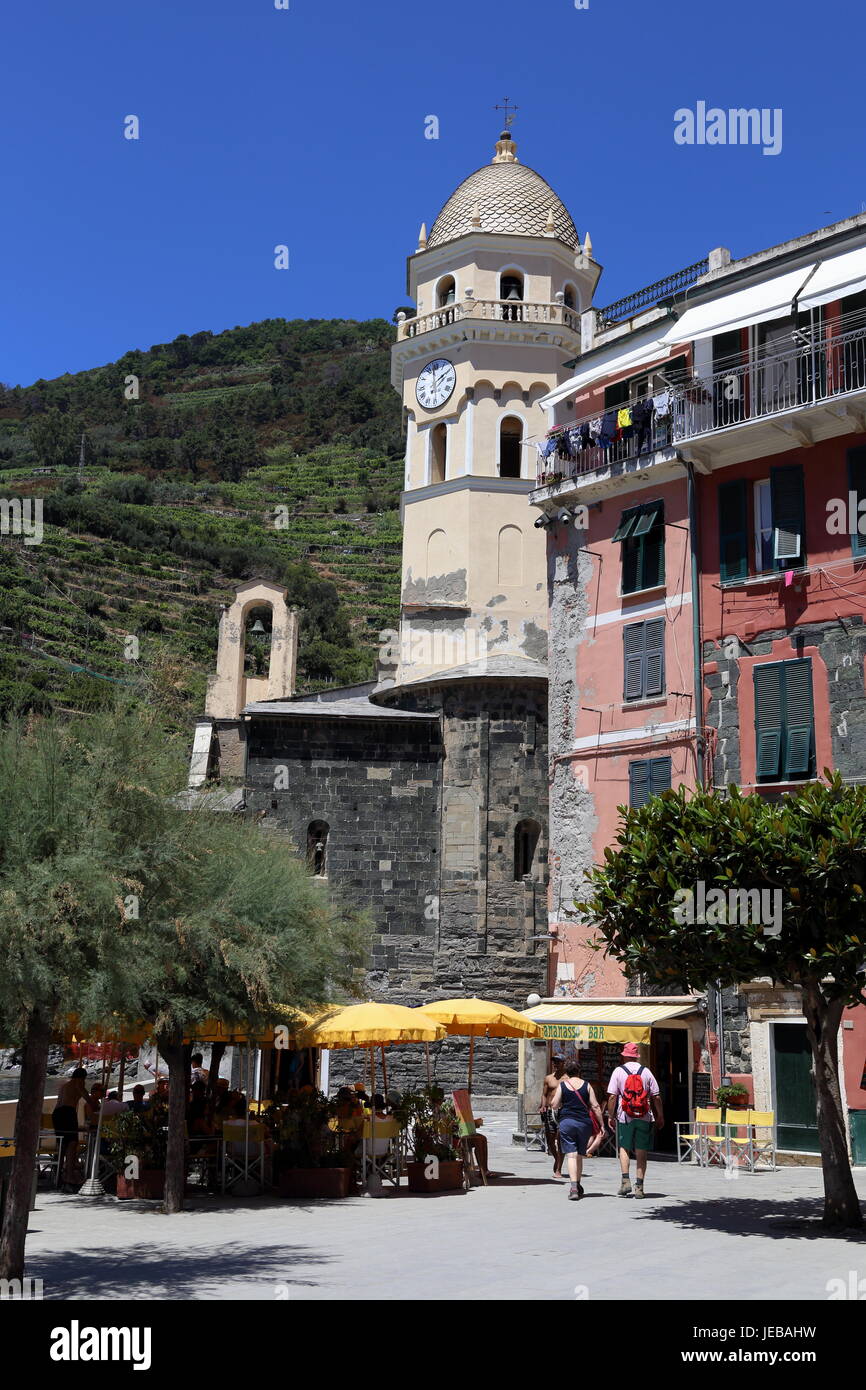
{"x": 697, "y": 660}
{"x": 700, "y": 737}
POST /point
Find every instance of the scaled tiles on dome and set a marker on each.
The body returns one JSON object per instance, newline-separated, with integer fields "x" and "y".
{"x": 510, "y": 198}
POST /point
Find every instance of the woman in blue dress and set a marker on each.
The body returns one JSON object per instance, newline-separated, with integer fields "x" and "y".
{"x": 576, "y": 1103}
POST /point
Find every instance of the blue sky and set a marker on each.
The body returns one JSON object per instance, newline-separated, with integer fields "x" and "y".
{"x": 305, "y": 127}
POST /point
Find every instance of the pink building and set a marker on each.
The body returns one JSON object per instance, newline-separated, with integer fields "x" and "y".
{"x": 706, "y": 620}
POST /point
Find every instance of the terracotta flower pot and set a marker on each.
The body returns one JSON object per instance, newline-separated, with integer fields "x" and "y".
{"x": 450, "y": 1177}
{"x": 315, "y": 1182}
{"x": 149, "y": 1186}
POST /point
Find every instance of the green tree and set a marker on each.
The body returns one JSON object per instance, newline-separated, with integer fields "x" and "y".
{"x": 56, "y": 438}
{"x": 811, "y": 847}
{"x": 115, "y": 899}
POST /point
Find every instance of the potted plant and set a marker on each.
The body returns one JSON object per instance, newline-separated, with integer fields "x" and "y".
{"x": 310, "y": 1159}
{"x": 136, "y": 1144}
{"x": 731, "y": 1096}
{"x": 436, "y": 1165}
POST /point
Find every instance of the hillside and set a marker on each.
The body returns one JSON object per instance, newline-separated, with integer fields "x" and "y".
{"x": 189, "y": 450}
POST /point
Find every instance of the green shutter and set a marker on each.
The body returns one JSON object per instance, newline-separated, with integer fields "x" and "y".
{"x": 768, "y": 720}
{"x": 638, "y": 784}
{"x": 660, "y": 775}
{"x": 633, "y": 661}
{"x": 789, "y": 515}
{"x": 626, "y": 523}
{"x": 646, "y": 520}
{"x": 733, "y": 540}
{"x": 653, "y": 570}
{"x": 630, "y": 572}
{"x": 654, "y": 657}
{"x": 799, "y": 721}
{"x": 857, "y": 485}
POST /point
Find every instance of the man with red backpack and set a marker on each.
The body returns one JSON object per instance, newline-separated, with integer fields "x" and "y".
{"x": 633, "y": 1098}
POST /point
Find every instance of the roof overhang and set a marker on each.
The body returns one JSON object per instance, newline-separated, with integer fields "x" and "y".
{"x": 621, "y": 1020}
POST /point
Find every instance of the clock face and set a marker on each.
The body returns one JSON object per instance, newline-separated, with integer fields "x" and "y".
{"x": 435, "y": 383}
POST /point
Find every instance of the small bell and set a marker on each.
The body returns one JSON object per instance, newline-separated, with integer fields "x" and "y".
{"x": 258, "y": 628}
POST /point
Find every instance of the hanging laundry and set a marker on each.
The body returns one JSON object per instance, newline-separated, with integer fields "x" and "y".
{"x": 595, "y": 429}
{"x": 547, "y": 448}
{"x": 585, "y": 435}
{"x": 607, "y": 432}
{"x": 623, "y": 418}
{"x": 642, "y": 417}
{"x": 662, "y": 403}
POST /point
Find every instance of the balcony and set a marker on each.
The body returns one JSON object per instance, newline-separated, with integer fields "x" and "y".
{"x": 762, "y": 405}
{"x": 491, "y": 311}
{"x": 809, "y": 376}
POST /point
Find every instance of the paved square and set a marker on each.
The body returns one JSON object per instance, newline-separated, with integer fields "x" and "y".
{"x": 698, "y": 1235}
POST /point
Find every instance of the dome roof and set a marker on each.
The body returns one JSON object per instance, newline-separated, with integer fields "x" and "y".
{"x": 508, "y": 197}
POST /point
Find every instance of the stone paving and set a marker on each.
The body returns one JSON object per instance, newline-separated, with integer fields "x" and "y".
{"x": 697, "y": 1235}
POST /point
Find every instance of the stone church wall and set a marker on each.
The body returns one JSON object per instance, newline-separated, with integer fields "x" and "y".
{"x": 422, "y": 820}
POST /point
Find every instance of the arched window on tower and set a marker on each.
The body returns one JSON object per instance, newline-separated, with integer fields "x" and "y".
{"x": 258, "y": 625}
{"x": 445, "y": 291}
{"x": 510, "y": 447}
{"x": 511, "y": 293}
{"x": 526, "y": 836}
{"x": 438, "y": 453}
{"x": 317, "y": 847}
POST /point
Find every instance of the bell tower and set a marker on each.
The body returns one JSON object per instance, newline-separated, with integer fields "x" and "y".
{"x": 499, "y": 286}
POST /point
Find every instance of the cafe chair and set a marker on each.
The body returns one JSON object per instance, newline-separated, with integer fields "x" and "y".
{"x": 701, "y": 1140}
{"x": 380, "y": 1154}
{"x": 755, "y": 1147}
{"x": 240, "y": 1163}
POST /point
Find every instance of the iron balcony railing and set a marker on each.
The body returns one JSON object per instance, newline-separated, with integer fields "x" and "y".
{"x": 758, "y": 388}
{"x": 496, "y": 310}
{"x": 653, "y": 294}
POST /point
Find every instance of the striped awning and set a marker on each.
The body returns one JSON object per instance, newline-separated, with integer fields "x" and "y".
{"x": 581, "y": 1020}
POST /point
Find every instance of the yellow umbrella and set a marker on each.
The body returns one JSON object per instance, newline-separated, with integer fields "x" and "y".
{"x": 481, "y": 1018}
{"x": 368, "y": 1025}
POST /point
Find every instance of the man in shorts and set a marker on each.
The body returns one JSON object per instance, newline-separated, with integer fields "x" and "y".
{"x": 633, "y": 1098}
{"x": 549, "y": 1118}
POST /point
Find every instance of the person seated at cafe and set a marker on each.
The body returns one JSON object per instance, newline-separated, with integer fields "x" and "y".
{"x": 349, "y": 1119}
{"x": 222, "y": 1096}
{"x": 378, "y": 1107}
{"x": 139, "y": 1102}
{"x": 478, "y": 1143}
{"x": 93, "y": 1104}
{"x": 112, "y": 1105}
{"x": 361, "y": 1092}
{"x": 238, "y": 1106}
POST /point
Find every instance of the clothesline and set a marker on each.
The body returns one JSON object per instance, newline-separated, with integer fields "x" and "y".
{"x": 610, "y": 427}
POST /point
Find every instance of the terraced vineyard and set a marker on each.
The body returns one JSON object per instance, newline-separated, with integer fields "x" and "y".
{"x": 269, "y": 451}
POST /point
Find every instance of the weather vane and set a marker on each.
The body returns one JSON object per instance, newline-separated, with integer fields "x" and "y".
{"x": 509, "y": 112}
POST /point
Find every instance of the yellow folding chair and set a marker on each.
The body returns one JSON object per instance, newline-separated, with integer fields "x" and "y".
{"x": 694, "y": 1138}
{"x": 762, "y": 1145}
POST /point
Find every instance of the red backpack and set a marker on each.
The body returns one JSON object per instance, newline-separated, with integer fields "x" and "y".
{"x": 635, "y": 1100}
